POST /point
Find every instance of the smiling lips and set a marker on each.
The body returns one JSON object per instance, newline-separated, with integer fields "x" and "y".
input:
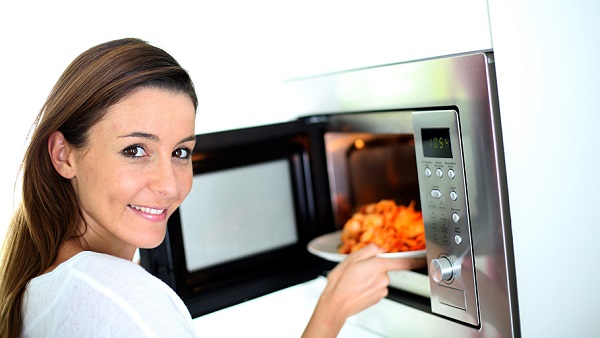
{"x": 146, "y": 210}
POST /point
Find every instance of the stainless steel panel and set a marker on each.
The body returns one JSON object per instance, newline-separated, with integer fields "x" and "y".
{"x": 445, "y": 207}
{"x": 466, "y": 84}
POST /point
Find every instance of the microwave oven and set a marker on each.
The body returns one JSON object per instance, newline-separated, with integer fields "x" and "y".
{"x": 425, "y": 132}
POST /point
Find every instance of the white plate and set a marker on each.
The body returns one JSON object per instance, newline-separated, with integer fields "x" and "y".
{"x": 326, "y": 247}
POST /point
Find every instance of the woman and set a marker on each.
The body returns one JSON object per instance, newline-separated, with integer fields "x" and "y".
{"x": 108, "y": 163}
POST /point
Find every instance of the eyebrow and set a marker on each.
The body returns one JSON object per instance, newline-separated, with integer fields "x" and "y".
{"x": 155, "y": 138}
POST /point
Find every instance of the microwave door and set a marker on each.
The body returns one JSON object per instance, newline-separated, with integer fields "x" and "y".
{"x": 300, "y": 143}
{"x": 259, "y": 195}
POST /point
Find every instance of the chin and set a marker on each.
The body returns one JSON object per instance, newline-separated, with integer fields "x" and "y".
{"x": 151, "y": 241}
{"x": 149, "y": 245}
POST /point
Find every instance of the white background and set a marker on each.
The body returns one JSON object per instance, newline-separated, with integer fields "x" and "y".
{"x": 238, "y": 52}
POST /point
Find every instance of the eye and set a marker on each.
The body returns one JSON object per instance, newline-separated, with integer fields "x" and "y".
{"x": 182, "y": 153}
{"x": 134, "y": 151}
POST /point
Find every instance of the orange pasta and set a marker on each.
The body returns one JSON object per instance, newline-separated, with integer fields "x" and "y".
{"x": 392, "y": 227}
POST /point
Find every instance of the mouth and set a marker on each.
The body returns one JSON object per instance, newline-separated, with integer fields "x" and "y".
{"x": 147, "y": 210}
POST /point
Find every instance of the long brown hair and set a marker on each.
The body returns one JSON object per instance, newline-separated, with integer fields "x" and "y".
{"x": 49, "y": 213}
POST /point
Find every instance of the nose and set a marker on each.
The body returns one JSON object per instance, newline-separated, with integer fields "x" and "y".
{"x": 164, "y": 181}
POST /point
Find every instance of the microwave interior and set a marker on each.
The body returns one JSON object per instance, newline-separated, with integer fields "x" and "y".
{"x": 261, "y": 194}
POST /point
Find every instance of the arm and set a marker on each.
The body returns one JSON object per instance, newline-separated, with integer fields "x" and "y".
{"x": 358, "y": 282}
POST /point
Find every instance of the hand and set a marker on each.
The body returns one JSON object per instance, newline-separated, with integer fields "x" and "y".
{"x": 356, "y": 283}
{"x": 361, "y": 280}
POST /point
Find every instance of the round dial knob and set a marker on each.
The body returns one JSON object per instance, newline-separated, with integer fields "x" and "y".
{"x": 441, "y": 269}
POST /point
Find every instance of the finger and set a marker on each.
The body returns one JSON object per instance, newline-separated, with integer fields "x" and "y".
{"x": 365, "y": 252}
{"x": 403, "y": 264}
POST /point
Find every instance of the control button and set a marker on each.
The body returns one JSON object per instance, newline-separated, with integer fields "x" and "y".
{"x": 436, "y": 193}
{"x": 457, "y": 239}
{"x": 451, "y": 173}
{"x": 441, "y": 269}
{"x": 427, "y": 172}
{"x": 455, "y": 217}
{"x": 439, "y": 172}
{"x": 453, "y": 195}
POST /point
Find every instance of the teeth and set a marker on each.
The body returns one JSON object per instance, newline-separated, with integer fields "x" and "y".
{"x": 148, "y": 210}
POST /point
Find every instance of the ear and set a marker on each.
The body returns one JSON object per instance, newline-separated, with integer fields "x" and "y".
{"x": 60, "y": 152}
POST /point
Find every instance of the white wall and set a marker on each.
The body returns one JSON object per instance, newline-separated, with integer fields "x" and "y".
{"x": 237, "y": 52}
{"x": 546, "y": 57}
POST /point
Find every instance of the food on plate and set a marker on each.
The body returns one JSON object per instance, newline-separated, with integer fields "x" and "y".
{"x": 392, "y": 227}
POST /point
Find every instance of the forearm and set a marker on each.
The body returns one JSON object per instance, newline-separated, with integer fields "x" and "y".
{"x": 325, "y": 322}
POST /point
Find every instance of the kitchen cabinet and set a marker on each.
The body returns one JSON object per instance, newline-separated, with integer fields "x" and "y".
{"x": 338, "y": 35}
{"x": 547, "y": 84}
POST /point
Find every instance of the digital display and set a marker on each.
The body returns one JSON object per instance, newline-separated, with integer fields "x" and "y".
{"x": 436, "y": 142}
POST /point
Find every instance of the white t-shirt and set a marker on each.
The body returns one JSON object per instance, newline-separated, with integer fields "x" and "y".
{"x": 98, "y": 295}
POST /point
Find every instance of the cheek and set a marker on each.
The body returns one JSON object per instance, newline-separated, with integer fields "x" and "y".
{"x": 123, "y": 181}
{"x": 116, "y": 186}
{"x": 116, "y": 181}
{"x": 100, "y": 187}
{"x": 186, "y": 180}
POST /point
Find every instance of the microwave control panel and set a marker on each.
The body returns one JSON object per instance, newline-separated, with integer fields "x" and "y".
{"x": 445, "y": 208}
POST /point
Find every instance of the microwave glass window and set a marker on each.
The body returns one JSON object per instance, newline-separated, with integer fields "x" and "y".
{"x": 436, "y": 142}
{"x": 236, "y": 213}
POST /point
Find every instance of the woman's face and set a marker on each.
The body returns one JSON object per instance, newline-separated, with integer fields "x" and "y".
{"x": 135, "y": 171}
